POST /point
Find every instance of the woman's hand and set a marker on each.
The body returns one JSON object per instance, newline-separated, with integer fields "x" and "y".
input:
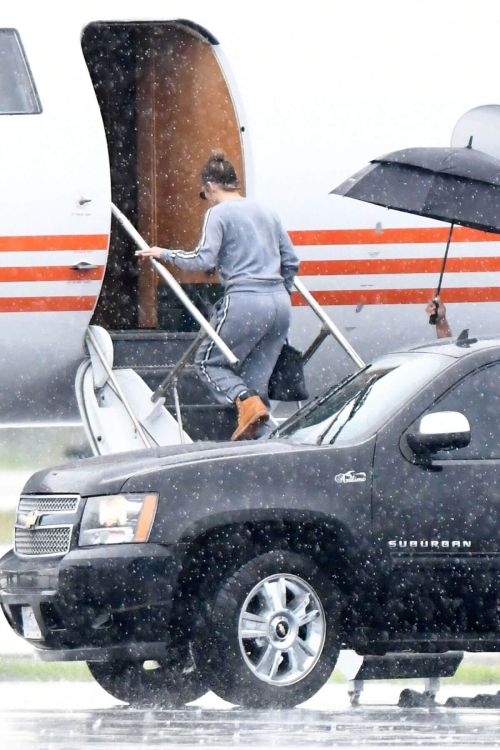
{"x": 435, "y": 306}
{"x": 151, "y": 252}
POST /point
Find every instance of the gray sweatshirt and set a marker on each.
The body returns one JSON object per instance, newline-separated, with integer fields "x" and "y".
{"x": 246, "y": 243}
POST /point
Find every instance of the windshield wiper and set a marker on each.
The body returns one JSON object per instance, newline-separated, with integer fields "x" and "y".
{"x": 357, "y": 403}
{"x": 314, "y": 403}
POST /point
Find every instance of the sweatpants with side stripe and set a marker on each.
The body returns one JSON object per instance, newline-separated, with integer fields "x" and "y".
{"x": 254, "y": 325}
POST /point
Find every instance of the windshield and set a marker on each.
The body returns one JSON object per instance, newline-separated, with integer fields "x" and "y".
{"x": 355, "y": 409}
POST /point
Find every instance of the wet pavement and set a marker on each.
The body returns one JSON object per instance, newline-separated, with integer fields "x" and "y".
{"x": 59, "y": 716}
{"x": 372, "y": 728}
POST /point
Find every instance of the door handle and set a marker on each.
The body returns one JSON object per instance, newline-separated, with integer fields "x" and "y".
{"x": 84, "y": 265}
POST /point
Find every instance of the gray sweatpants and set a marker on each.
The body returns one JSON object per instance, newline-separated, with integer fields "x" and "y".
{"x": 254, "y": 325}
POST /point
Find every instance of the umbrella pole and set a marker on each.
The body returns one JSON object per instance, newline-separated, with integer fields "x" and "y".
{"x": 433, "y": 318}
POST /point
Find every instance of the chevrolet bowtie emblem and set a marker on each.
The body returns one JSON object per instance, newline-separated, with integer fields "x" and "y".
{"x": 31, "y": 519}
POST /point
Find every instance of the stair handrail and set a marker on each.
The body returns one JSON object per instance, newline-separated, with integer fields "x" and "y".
{"x": 205, "y": 325}
{"x": 172, "y": 376}
{"x": 175, "y": 286}
{"x": 118, "y": 390}
{"x": 327, "y": 322}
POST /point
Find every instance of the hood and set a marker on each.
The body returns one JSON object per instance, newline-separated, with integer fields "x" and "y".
{"x": 107, "y": 474}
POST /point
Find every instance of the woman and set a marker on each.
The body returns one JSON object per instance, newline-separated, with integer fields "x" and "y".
{"x": 250, "y": 250}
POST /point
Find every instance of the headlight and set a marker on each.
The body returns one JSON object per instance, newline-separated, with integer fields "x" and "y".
{"x": 114, "y": 519}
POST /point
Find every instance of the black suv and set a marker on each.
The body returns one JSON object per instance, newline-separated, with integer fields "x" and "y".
{"x": 367, "y": 521}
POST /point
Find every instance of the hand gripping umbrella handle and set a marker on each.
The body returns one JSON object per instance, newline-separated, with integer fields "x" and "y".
{"x": 433, "y": 318}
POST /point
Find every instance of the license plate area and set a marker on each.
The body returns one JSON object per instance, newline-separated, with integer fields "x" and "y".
{"x": 30, "y": 625}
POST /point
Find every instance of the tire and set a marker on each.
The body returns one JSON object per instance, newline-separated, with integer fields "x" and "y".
{"x": 272, "y": 632}
{"x": 149, "y": 683}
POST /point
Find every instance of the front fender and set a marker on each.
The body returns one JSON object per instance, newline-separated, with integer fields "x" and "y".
{"x": 299, "y": 484}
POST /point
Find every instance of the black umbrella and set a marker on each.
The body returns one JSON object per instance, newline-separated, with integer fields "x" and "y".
{"x": 459, "y": 185}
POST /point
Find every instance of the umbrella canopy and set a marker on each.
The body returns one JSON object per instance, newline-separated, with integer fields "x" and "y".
{"x": 458, "y": 185}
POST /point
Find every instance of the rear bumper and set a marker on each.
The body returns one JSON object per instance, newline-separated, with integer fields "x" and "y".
{"x": 93, "y": 603}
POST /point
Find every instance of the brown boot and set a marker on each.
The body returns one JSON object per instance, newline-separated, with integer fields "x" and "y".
{"x": 252, "y": 411}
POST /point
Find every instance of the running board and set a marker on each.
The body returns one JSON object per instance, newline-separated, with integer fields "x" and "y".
{"x": 397, "y": 666}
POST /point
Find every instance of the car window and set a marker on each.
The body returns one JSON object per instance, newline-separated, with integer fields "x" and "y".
{"x": 17, "y": 89}
{"x": 478, "y": 397}
{"x": 356, "y": 408}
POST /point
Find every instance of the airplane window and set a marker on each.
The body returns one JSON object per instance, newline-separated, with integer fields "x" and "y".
{"x": 18, "y": 95}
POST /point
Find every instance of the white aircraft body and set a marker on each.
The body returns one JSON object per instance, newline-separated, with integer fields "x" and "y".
{"x": 124, "y": 101}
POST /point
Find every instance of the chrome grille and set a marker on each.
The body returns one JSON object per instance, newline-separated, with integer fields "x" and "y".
{"x": 48, "y": 503}
{"x": 35, "y": 533}
{"x": 44, "y": 541}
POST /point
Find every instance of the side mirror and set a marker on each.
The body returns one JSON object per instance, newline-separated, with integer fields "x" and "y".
{"x": 440, "y": 431}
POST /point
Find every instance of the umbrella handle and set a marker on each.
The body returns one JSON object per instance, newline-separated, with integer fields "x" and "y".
{"x": 434, "y": 316}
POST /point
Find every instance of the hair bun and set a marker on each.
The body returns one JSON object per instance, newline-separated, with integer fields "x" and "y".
{"x": 218, "y": 155}
{"x": 219, "y": 170}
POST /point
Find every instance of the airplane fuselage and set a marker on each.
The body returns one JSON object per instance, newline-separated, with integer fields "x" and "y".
{"x": 112, "y": 101}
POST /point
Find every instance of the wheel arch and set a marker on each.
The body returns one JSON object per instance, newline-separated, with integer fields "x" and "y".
{"x": 229, "y": 542}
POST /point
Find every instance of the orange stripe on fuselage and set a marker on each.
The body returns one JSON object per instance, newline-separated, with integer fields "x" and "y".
{"x": 397, "y": 265}
{"x": 46, "y": 304}
{"x": 399, "y": 296}
{"x": 391, "y": 236}
{"x": 411, "y": 236}
{"x": 50, "y": 242}
{"x": 50, "y": 273}
{"x": 326, "y": 237}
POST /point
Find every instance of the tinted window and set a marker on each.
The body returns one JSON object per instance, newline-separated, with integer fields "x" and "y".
{"x": 478, "y": 397}
{"x": 355, "y": 409}
{"x": 17, "y": 90}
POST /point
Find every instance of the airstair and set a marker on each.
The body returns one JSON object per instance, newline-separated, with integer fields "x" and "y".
{"x": 140, "y": 390}
{"x": 153, "y": 355}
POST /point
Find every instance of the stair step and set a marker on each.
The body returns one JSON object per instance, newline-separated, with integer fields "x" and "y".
{"x": 151, "y": 348}
{"x": 153, "y": 354}
{"x": 191, "y": 389}
{"x": 207, "y": 421}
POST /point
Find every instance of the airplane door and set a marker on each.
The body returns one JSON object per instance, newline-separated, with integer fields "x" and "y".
{"x": 166, "y": 104}
{"x": 54, "y": 219}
